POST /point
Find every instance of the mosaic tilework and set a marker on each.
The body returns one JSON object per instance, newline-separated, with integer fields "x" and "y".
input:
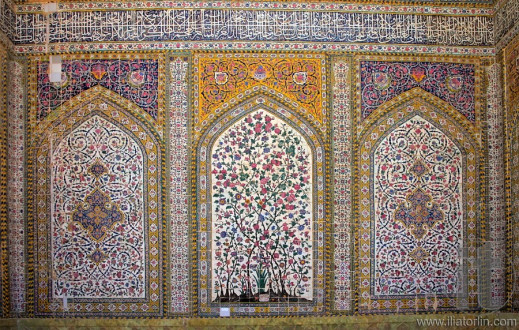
{"x": 505, "y": 19}
{"x": 4, "y": 257}
{"x": 15, "y": 185}
{"x": 418, "y": 173}
{"x": 136, "y": 80}
{"x": 307, "y": 235}
{"x": 221, "y": 79}
{"x": 512, "y": 73}
{"x": 452, "y": 82}
{"x": 96, "y": 176}
{"x": 255, "y": 46}
{"x": 7, "y": 19}
{"x": 496, "y": 183}
{"x": 342, "y": 148}
{"x": 178, "y": 186}
{"x": 511, "y": 59}
{"x": 513, "y": 163}
{"x": 258, "y": 25}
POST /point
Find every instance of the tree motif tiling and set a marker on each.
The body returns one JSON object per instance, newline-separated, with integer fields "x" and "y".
{"x": 134, "y": 79}
{"x": 380, "y": 81}
{"x": 417, "y": 211}
{"x": 222, "y": 78}
{"x": 101, "y": 224}
{"x": 260, "y": 208}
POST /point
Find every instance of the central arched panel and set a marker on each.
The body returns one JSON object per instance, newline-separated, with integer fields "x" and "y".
{"x": 261, "y": 176}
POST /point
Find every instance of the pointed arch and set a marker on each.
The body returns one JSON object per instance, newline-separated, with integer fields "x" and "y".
{"x": 421, "y": 96}
{"x": 256, "y": 93}
{"x": 91, "y": 94}
{"x": 402, "y": 165}
{"x": 222, "y": 80}
{"x": 307, "y": 150}
{"x": 102, "y": 232}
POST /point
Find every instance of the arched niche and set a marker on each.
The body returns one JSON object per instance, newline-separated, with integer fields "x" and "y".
{"x": 418, "y": 210}
{"x": 96, "y": 210}
{"x": 287, "y": 211}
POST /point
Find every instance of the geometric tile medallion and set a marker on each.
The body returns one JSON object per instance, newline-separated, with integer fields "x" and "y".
{"x": 417, "y": 205}
{"x": 97, "y": 211}
{"x": 260, "y": 214}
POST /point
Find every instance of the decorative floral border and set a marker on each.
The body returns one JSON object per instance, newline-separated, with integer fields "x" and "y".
{"x": 4, "y": 257}
{"x": 17, "y": 238}
{"x": 411, "y": 7}
{"x": 342, "y": 135}
{"x": 179, "y": 198}
{"x": 511, "y": 112}
{"x": 254, "y": 46}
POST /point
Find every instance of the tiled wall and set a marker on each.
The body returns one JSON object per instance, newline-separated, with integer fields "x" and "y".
{"x": 165, "y": 184}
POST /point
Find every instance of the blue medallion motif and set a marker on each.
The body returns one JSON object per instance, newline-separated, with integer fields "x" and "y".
{"x": 97, "y": 215}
